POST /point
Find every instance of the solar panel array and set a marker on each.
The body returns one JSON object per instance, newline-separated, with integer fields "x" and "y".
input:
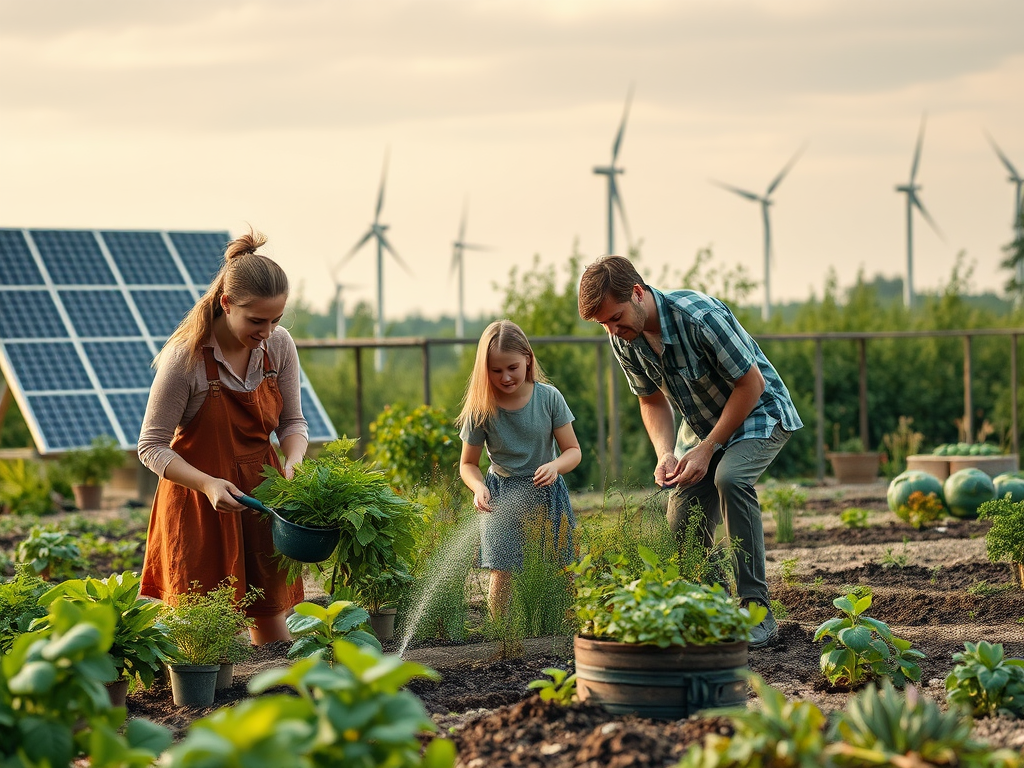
{"x": 83, "y": 313}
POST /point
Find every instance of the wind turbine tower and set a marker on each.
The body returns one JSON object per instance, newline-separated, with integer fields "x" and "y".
{"x": 765, "y": 200}
{"x": 1018, "y": 202}
{"x": 911, "y": 188}
{"x": 611, "y": 171}
{"x": 377, "y": 231}
{"x": 459, "y": 247}
{"x": 339, "y": 306}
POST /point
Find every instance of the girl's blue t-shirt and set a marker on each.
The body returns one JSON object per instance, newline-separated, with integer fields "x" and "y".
{"x": 517, "y": 442}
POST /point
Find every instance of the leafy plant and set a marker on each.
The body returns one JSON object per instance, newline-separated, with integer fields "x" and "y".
{"x": 94, "y": 465}
{"x": 53, "y": 703}
{"x": 24, "y": 488}
{"x": 885, "y": 727}
{"x": 383, "y": 589}
{"x": 863, "y": 648}
{"x": 561, "y": 688}
{"x": 902, "y": 442}
{"x": 779, "y": 732}
{"x": 658, "y": 608}
{"x": 336, "y": 491}
{"x": 854, "y": 517}
{"x": 787, "y": 569}
{"x": 782, "y": 500}
{"x": 986, "y": 683}
{"x": 140, "y": 645}
{"x": 51, "y": 552}
{"x": 636, "y": 521}
{"x": 19, "y": 606}
{"x": 204, "y": 626}
{"x": 354, "y": 713}
{"x": 891, "y": 559}
{"x": 921, "y": 508}
{"x": 413, "y": 445}
{"x": 1005, "y": 538}
{"x": 317, "y": 628}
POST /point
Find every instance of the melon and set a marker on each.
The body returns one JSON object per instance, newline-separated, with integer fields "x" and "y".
{"x": 920, "y": 510}
{"x": 966, "y": 490}
{"x": 1009, "y": 483}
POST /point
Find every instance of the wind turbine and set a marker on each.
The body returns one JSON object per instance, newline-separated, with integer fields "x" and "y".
{"x": 377, "y": 231}
{"x": 614, "y": 199}
{"x": 1018, "y": 203}
{"x": 459, "y": 247}
{"x": 339, "y": 305}
{"x": 913, "y": 200}
{"x": 765, "y": 200}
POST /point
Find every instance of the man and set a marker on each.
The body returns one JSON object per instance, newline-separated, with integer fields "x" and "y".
{"x": 687, "y": 351}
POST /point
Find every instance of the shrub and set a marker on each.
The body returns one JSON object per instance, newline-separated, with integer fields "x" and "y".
{"x": 24, "y": 488}
{"x": 1005, "y": 538}
{"x": 50, "y": 552}
{"x": 985, "y": 682}
{"x": 94, "y": 465}
{"x": 415, "y": 445}
{"x": 204, "y": 626}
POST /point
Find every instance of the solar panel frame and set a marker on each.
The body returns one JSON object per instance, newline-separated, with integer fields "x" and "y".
{"x": 80, "y": 326}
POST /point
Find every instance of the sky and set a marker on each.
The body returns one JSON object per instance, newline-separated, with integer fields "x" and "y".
{"x": 195, "y": 114}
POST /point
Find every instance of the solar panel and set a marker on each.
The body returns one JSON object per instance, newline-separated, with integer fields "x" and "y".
{"x": 83, "y": 314}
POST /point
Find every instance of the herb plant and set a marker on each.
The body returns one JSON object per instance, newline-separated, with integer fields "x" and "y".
{"x": 355, "y": 713}
{"x": 658, "y": 608}
{"x": 19, "y": 606}
{"x": 1005, "y": 538}
{"x": 986, "y": 683}
{"x": 782, "y": 500}
{"x": 561, "y": 688}
{"x": 204, "y": 627}
{"x": 316, "y": 628}
{"x": 862, "y": 648}
{"x": 50, "y": 552}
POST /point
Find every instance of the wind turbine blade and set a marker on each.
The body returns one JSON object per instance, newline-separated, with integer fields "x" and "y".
{"x": 456, "y": 258}
{"x": 917, "y": 151}
{"x": 785, "y": 170}
{"x": 472, "y": 247}
{"x": 916, "y": 201}
{"x": 380, "y": 192}
{"x": 1005, "y": 159}
{"x": 622, "y": 125}
{"x": 462, "y": 221}
{"x": 617, "y": 202}
{"x": 362, "y": 241}
{"x": 737, "y": 190}
{"x": 394, "y": 253}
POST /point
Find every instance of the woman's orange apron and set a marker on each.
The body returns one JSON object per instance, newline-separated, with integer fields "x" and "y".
{"x": 189, "y": 541}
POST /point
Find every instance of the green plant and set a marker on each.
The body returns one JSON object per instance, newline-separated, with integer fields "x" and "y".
{"x": 204, "y": 627}
{"x": 24, "y": 488}
{"x": 863, "y": 648}
{"x": 53, "y": 704}
{"x": 94, "y": 465}
{"x": 140, "y": 645}
{"x": 986, "y": 683}
{"x": 413, "y": 445}
{"x": 891, "y": 559}
{"x": 854, "y": 517}
{"x": 384, "y": 589}
{"x": 984, "y": 589}
{"x": 637, "y": 520}
{"x": 316, "y": 628}
{"x": 657, "y": 608}
{"x": 904, "y": 441}
{"x": 51, "y": 552}
{"x": 885, "y": 727}
{"x": 779, "y": 732}
{"x": 787, "y": 569}
{"x": 782, "y": 500}
{"x": 1005, "y": 538}
{"x": 19, "y": 606}
{"x": 336, "y": 491}
{"x": 561, "y": 688}
{"x": 354, "y": 713}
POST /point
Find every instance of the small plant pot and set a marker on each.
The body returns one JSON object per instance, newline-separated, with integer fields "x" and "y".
{"x": 88, "y": 496}
{"x": 855, "y": 468}
{"x": 383, "y": 623}
{"x": 225, "y": 676}
{"x": 193, "y": 685}
{"x": 302, "y": 543}
{"x": 118, "y": 692}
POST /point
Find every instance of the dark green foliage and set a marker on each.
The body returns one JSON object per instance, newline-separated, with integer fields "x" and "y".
{"x": 1005, "y": 538}
{"x": 414, "y": 445}
{"x": 19, "y": 606}
{"x": 316, "y": 628}
{"x": 93, "y": 465}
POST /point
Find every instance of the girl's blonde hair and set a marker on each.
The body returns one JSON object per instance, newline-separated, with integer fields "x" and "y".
{"x": 244, "y": 277}
{"x": 480, "y": 404}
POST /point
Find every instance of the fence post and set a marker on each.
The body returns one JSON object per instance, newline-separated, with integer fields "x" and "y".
{"x": 599, "y": 413}
{"x": 819, "y": 406}
{"x": 426, "y": 372}
{"x": 613, "y": 424}
{"x": 862, "y": 354}
{"x": 968, "y": 400}
{"x": 359, "y": 398}
{"x": 1013, "y": 395}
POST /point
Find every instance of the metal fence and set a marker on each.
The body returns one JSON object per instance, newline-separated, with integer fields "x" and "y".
{"x": 608, "y": 435}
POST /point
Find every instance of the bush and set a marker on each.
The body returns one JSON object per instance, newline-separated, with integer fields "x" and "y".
{"x": 1005, "y": 538}
{"x": 94, "y": 465}
{"x": 414, "y": 446}
{"x": 24, "y": 488}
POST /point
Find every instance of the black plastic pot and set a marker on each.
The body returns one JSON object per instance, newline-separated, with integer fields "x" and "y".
{"x": 299, "y": 542}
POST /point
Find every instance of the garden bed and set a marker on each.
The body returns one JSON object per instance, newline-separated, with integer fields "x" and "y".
{"x": 934, "y": 587}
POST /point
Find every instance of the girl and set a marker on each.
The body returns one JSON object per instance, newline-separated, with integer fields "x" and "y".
{"x": 226, "y": 379}
{"x": 511, "y": 410}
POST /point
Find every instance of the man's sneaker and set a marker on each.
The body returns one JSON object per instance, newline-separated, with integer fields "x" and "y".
{"x": 765, "y": 633}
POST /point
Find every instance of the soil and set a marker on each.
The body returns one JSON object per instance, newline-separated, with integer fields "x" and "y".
{"x": 934, "y": 587}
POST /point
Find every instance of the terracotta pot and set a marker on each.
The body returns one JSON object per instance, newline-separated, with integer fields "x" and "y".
{"x": 88, "y": 496}
{"x": 855, "y": 468}
{"x": 663, "y": 683}
{"x": 118, "y": 692}
{"x": 383, "y": 624}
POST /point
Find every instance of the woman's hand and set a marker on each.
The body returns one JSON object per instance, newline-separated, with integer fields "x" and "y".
{"x": 223, "y": 495}
{"x": 289, "y": 467}
{"x": 482, "y": 499}
{"x": 545, "y": 475}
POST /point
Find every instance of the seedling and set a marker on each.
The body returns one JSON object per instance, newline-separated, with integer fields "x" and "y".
{"x": 854, "y": 517}
{"x": 787, "y": 569}
{"x": 561, "y": 688}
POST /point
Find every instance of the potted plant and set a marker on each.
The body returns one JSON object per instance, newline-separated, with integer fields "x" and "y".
{"x": 657, "y": 645}
{"x": 141, "y": 645}
{"x": 380, "y": 595}
{"x": 204, "y": 629}
{"x": 334, "y": 491}
{"x": 89, "y": 468}
{"x": 852, "y": 463}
